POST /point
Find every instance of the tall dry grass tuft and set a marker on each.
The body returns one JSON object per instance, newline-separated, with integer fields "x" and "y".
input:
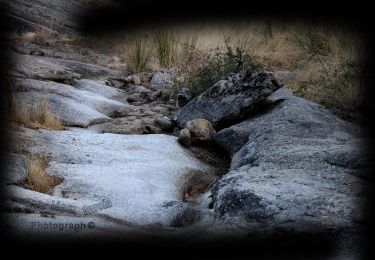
{"x": 40, "y": 37}
{"x": 332, "y": 72}
{"x": 326, "y": 62}
{"x": 138, "y": 54}
{"x": 166, "y": 47}
{"x": 42, "y": 117}
{"x": 49, "y": 120}
{"x": 189, "y": 47}
{"x": 21, "y": 117}
{"x": 37, "y": 178}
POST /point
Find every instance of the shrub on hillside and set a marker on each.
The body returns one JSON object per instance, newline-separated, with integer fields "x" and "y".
{"x": 219, "y": 62}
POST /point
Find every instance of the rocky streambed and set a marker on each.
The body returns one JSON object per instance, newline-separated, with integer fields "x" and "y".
{"x": 244, "y": 158}
{"x": 294, "y": 166}
{"x": 119, "y": 160}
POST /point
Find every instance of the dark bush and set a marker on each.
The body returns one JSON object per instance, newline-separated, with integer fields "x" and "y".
{"x": 220, "y": 62}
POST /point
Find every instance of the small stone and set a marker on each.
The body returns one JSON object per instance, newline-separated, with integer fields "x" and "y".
{"x": 150, "y": 129}
{"x": 141, "y": 89}
{"x": 160, "y": 80}
{"x": 184, "y": 138}
{"x": 134, "y": 98}
{"x": 200, "y": 130}
{"x": 180, "y": 79}
{"x": 184, "y": 96}
{"x": 164, "y": 124}
{"x": 138, "y": 127}
{"x": 129, "y": 79}
{"x": 136, "y": 80}
{"x": 116, "y": 59}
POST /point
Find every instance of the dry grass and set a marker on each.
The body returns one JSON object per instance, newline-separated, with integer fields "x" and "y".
{"x": 166, "y": 45}
{"x": 328, "y": 61}
{"x": 153, "y": 65}
{"x": 41, "y": 37}
{"x": 37, "y": 178}
{"x": 43, "y": 118}
{"x": 138, "y": 54}
{"x": 48, "y": 119}
{"x": 333, "y": 77}
{"x": 45, "y": 37}
{"x": 20, "y": 117}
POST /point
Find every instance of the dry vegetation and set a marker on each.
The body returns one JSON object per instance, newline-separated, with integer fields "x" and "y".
{"x": 40, "y": 117}
{"x": 326, "y": 62}
{"x": 138, "y": 54}
{"x": 44, "y": 37}
{"x": 37, "y": 178}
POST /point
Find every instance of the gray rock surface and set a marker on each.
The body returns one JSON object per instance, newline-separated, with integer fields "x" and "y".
{"x": 126, "y": 171}
{"x": 61, "y": 51}
{"x": 100, "y": 88}
{"x": 15, "y": 168}
{"x": 75, "y": 106}
{"x": 56, "y": 16}
{"x": 47, "y": 68}
{"x": 228, "y": 100}
{"x": 298, "y": 168}
{"x": 294, "y": 166}
{"x": 160, "y": 80}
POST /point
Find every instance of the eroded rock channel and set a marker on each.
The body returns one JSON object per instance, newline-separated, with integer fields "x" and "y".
{"x": 244, "y": 157}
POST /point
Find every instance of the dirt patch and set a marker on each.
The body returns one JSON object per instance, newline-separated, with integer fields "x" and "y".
{"x": 213, "y": 156}
{"x": 195, "y": 183}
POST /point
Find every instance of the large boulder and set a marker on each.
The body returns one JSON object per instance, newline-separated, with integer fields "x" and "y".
{"x": 229, "y": 100}
{"x": 294, "y": 167}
